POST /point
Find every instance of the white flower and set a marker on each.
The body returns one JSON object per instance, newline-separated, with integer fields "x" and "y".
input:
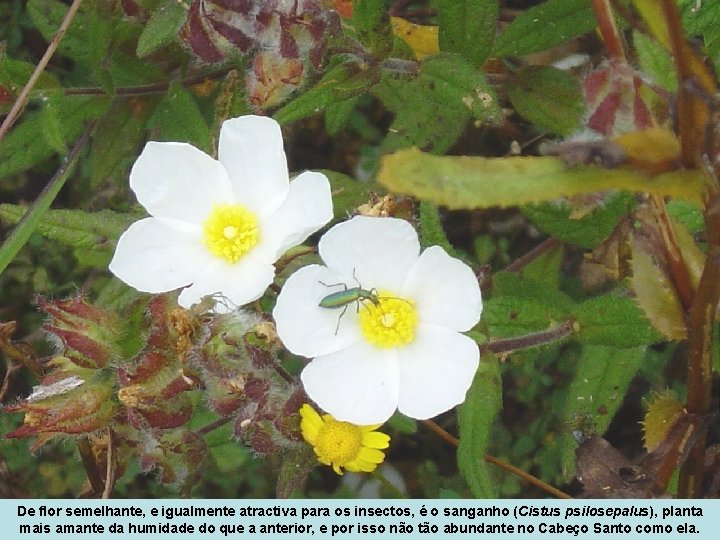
{"x": 218, "y": 225}
{"x": 401, "y": 347}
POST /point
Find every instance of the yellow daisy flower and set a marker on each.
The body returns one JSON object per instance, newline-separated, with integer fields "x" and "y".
{"x": 342, "y": 444}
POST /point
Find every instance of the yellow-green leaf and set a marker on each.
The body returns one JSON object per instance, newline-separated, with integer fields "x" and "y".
{"x": 655, "y": 293}
{"x": 477, "y": 182}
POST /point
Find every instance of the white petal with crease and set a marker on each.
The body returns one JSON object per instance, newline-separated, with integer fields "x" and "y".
{"x": 251, "y": 149}
{"x": 158, "y": 255}
{"x": 358, "y": 384}
{"x": 178, "y": 181}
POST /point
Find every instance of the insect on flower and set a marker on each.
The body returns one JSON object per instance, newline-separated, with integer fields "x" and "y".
{"x": 342, "y": 299}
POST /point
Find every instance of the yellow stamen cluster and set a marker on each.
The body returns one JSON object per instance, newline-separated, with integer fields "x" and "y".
{"x": 231, "y": 231}
{"x": 342, "y": 444}
{"x": 389, "y": 323}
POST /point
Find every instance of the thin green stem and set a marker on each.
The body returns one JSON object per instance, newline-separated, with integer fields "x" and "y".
{"x": 32, "y": 217}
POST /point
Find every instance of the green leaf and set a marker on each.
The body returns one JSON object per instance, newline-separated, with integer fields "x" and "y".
{"x": 178, "y": 118}
{"x": 477, "y": 182}
{"x": 116, "y": 138}
{"x": 340, "y": 83}
{"x": 162, "y": 28}
{"x": 371, "y": 22}
{"x": 655, "y": 61}
{"x": 468, "y": 27}
{"x": 432, "y": 109}
{"x": 476, "y": 417}
{"x": 82, "y": 230}
{"x": 338, "y": 114}
{"x": 545, "y": 26}
{"x": 522, "y": 305}
{"x": 43, "y": 133}
{"x": 613, "y": 321}
{"x": 431, "y": 228}
{"x": 14, "y": 74}
{"x": 348, "y": 193}
{"x": 654, "y": 291}
{"x": 602, "y": 377}
{"x": 689, "y": 214}
{"x": 549, "y": 98}
{"x": 588, "y": 231}
{"x": 702, "y": 20}
{"x": 88, "y": 38}
{"x": 20, "y": 235}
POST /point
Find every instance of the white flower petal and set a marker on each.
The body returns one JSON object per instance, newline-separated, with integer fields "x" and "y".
{"x": 238, "y": 283}
{"x": 307, "y": 208}
{"x": 178, "y": 181}
{"x": 159, "y": 255}
{"x": 445, "y": 290}
{"x": 436, "y": 371}
{"x": 358, "y": 384}
{"x": 306, "y": 328}
{"x": 251, "y": 149}
{"x": 379, "y": 251}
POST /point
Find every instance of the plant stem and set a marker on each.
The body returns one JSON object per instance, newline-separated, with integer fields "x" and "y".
{"x": 153, "y": 88}
{"x": 30, "y": 220}
{"x": 529, "y": 340}
{"x": 25, "y": 93}
{"x": 212, "y": 426}
{"x": 504, "y": 465}
{"x": 521, "y": 262}
{"x": 700, "y": 337}
{"x": 110, "y": 466}
{"x": 608, "y": 29}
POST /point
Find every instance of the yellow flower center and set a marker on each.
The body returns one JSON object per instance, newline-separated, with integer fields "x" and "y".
{"x": 389, "y": 323}
{"x": 338, "y": 443}
{"x": 231, "y": 231}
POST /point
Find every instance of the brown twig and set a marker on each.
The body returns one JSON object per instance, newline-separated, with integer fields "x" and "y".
{"x": 608, "y": 29}
{"x": 535, "y": 339}
{"x": 521, "y": 262}
{"x": 212, "y": 426}
{"x": 143, "y": 89}
{"x": 21, "y": 100}
{"x": 504, "y": 465}
{"x": 700, "y": 337}
{"x": 686, "y": 103}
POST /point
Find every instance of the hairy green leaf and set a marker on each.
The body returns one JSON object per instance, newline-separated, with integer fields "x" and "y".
{"x": 476, "y": 418}
{"x": 521, "y": 305}
{"x": 431, "y": 229}
{"x": 348, "y": 193}
{"x": 88, "y": 38}
{"x": 162, "y": 28}
{"x": 702, "y": 20}
{"x": 549, "y": 98}
{"x": 433, "y": 108}
{"x": 601, "y": 380}
{"x": 477, "y": 182}
{"x": 115, "y": 141}
{"x": 178, "y": 118}
{"x": 613, "y": 321}
{"x": 83, "y": 230}
{"x": 340, "y": 83}
{"x": 43, "y": 133}
{"x": 468, "y": 27}
{"x": 588, "y": 231}
{"x": 545, "y": 26}
{"x": 371, "y": 22}
{"x": 655, "y": 61}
